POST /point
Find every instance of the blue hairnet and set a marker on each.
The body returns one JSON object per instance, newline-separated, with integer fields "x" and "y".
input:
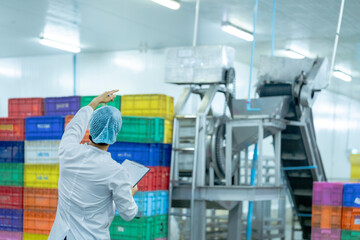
{"x": 105, "y": 124}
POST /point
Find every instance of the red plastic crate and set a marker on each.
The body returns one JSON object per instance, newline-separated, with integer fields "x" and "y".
{"x": 163, "y": 178}
{"x": 149, "y": 183}
{"x": 156, "y": 179}
{"x": 12, "y": 129}
{"x": 11, "y": 197}
{"x": 26, "y": 107}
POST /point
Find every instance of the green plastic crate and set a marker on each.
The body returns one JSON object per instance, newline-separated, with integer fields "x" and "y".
{"x": 136, "y": 229}
{"x": 12, "y": 174}
{"x": 85, "y": 100}
{"x": 350, "y": 235}
{"x": 161, "y": 226}
{"x": 141, "y": 130}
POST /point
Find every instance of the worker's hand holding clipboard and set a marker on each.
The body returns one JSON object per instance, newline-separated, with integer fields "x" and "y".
{"x": 136, "y": 171}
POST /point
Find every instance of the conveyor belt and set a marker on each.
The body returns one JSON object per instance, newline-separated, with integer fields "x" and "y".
{"x": 300, "y": 156}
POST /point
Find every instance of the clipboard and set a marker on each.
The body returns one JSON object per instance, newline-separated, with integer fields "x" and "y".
{"x": 136, "y": 171}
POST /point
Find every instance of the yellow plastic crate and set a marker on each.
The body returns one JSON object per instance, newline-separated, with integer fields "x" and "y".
{"x": 168, "y": 131}
{"x": 33, "y": 236}
{"x": 355, "y": 171}
{"x": 355, "y": 159}
{"x": 148, "y": 105}
{"x": 41, "y": 175}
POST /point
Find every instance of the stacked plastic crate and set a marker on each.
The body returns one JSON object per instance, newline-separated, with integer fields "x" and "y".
{"x": 43, "y": 135}
{"x": 145, "y": 137}
{"x": 12, "y": 136}
{"x": 326, "y": 211}
{"x": 355, "y": 166}
{"x": 351, "y": 212}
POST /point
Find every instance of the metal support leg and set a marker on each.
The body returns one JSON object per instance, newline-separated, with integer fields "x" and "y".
{"x": 260, "y": 154}
{"x": 234, "y": 222}
{"x": 246, "y": 166}
{"x": 228, "y": 153}
{"x": 277, "y": 141}
{"x": 198, "y": 230}
{"x": 282, "y": 216}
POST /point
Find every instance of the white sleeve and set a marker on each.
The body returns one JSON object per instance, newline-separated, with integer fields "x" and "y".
{"x": 75, "y": 130}
{"x": 121, "y": 190}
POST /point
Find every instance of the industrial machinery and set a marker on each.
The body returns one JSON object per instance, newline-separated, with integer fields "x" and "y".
{"x": 210, "y": 167}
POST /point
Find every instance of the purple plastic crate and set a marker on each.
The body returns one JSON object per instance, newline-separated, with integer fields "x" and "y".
{"x": 351, "y": 197}
{"x": 11, "y": 220}
{"x": 4, "y": 235}
{"x": 325, "y": 234}
{"x": 62, "y": 106}
{"x": 327, "y": 194}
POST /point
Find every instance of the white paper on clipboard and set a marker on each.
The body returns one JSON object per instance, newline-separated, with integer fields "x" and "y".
{"x": 136, "y": 171}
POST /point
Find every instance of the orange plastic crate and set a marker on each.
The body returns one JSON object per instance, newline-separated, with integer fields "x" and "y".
{"x": 87, "y": 134}
{"x": 40, "y": 199}
{"x": 326, "y": 217}
{"x": 39, "y": 222}
{"x": 350, "y": 218}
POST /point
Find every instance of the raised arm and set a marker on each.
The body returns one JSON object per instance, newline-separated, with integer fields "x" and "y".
{"x": 75, "y": 130}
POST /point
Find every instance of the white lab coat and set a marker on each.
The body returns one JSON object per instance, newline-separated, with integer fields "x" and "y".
{"x": 91, "y": 184}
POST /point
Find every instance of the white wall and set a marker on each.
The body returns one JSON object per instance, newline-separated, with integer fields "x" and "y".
{"x": 35, "y": 77}
{"x": 337, "y": 118}
{"x": 337, "y": 124}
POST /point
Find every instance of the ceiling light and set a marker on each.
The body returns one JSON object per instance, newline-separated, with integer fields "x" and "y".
{"x": 172, "y": 4}
{"x": 236, "y": 31}
{"x": 60, "y": 45}
{"x": 341, "y": 75}
{"x": 292, "y": 54}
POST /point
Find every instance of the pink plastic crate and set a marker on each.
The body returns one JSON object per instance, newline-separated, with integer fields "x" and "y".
{"x": 325, "y": 234}
{"x": 11, "y": 235}
{"x": 327, "y": 194}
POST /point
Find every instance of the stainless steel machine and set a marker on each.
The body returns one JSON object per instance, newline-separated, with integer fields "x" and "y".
{"x": 210, "y": 167}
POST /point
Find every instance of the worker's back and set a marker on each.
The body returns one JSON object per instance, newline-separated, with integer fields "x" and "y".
{"x": 89, "y": 184}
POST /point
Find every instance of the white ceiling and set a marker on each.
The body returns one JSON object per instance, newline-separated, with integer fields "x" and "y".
{"x": 105, "y": 25}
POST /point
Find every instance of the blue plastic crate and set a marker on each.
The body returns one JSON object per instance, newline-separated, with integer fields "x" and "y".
{"x": 148, "y": 154}
{"x": 11, "y": 152}
{"x": 162, "y": 205}
{"x": 151, "y": 203}
{"x": 147, "y": 203}
{"x": 351, "y": 195}
{"x": 11, "y": 220}
{"x": 61, "y": 106}
{"x": 44, "y": 128}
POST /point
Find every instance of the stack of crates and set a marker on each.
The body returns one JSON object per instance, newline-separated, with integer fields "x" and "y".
{"x": 43, "y": 135}
{"x": 326, "y": 211}
{"x": 12, "y": 136}
{"x": 145, "y": 137}
{"x": 351, "y": 212}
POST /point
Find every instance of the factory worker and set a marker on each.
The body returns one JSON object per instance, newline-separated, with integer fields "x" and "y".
{"x": 91, "y": 183}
